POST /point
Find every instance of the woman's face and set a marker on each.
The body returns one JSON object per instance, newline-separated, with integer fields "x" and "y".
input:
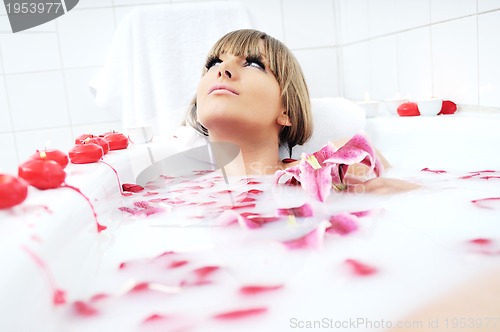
{"x": 239, "y": 95}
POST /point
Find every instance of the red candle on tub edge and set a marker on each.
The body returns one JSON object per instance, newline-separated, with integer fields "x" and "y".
{"x": 86, "y": 153}
{"x": 99, "y": 141}
{"x": 58, "y": 156}
{"x": 82, "y": 138}
{"x": 13, "y": 191}
{"x": 117, "y": 141}
{"x": 42, "y": 173}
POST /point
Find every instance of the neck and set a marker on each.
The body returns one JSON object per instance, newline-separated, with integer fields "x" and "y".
{"x": 258, "y": 157}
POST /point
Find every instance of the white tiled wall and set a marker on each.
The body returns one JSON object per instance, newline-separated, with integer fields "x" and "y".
{"x": 351, "y": 48}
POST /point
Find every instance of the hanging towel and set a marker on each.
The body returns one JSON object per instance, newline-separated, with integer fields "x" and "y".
{"x": 156, "y": 59}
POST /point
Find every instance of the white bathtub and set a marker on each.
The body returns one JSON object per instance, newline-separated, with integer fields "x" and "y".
{"x": 417, "y": 242}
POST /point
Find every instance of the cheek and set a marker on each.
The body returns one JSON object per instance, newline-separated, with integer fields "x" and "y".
{"x": 201, "y": 92}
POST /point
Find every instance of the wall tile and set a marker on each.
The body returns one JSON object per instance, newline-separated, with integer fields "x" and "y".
{"x": 85, "y": 4}
{"x": 9, "y": 160}
{"x": 82, "y": 107}
{"x": 30, "y": 141}
{"x": 382, "y": 17}
{"x": 356, "y": 71}
{"x": 484, "y": 5}
{"x": 489, "y": 53}
{"x": 4, "y": 25}
{"x": 5, "y": 123}
{"x": 269, "y": 20}
{"x": 310, "y": 25}
{"x": 412, "y": 13}
{"x": 85, "y": 36}
{"x": 1, "y": 61}
{"x": 442, "y": 10}
{"x": 37, "y": 100}
{"x": 384, "y": 68}
{"x": 454, "y": 60}
{"x": 121, "y": 12}
{"x": 118, "y": 3}
{"x": 353, "y": 20}
{"x": 27, "y": 52}
{"x": 414, "y": 64}
{"x": 97, "y": 128}
{"x": 320, "y": 69}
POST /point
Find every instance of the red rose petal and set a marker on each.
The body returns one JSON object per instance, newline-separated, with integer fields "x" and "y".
{"x": 131, "y": 187}
{"x": 433, "y": 171}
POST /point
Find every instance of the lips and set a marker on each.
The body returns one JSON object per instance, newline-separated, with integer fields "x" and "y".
{"x": 222, "y": 88}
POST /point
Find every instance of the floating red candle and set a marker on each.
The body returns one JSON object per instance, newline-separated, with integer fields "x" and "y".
{"x": 85, "y": 153}
{"x": 42, "y": 173}
{"x": 51, "y": 154}
{"x": 13, "y": 191}
{"x": 117, "y": 141}
{"x": 99, "y": 141}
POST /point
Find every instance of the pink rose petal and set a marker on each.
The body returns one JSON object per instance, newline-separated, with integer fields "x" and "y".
{"x": 360, "y": 269}
{"x": 84, "y": 309}
{"x": 311, "y": 240}
{"x": 343, "y": 224}
{"x": 304, "y": 210}
{"x": 317, "y": 172}
{"x": 176, "y": 264}
{"x": 256, "y": 289}
{"x": 487, "y": 203}
{"x": 199, "y": 276}
{"x": 242, "y": 313}
{"x": 481, "y": 241}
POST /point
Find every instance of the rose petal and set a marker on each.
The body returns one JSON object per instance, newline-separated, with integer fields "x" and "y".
{"x": 343, "y": 224}
{"x": 84, "y": 309}
{"x": 131, "y": 187}
{"x": 311, "y": 240}
{"x": 433, "y": 171}
{"x": 256, "y": 289}
{"x": 304, "y": 210}
{"x": 357, "y": 150}
{"x": 242, "y": 313}
{"x": 360, "y": 269}
{"x": 487, "y": 203}
{"x": 199, "y": 276}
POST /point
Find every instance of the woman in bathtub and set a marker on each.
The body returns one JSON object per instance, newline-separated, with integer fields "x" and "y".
{"x": 253, "y": 93}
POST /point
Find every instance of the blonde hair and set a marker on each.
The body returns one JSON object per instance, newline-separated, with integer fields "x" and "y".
{"x": 286, "y": 69}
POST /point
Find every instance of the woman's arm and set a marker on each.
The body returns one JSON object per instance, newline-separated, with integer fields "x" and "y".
{"x": 356, "y": 178}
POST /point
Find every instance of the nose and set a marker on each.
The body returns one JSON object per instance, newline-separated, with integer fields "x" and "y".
{"x": 225, "y": 73}
{"x": 225, "y": 69}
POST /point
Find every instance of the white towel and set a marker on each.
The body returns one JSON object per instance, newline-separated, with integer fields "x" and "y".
{"x": 156, "y": 59}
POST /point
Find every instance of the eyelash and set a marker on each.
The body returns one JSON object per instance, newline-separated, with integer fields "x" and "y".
{"x": 213, "y": 60}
